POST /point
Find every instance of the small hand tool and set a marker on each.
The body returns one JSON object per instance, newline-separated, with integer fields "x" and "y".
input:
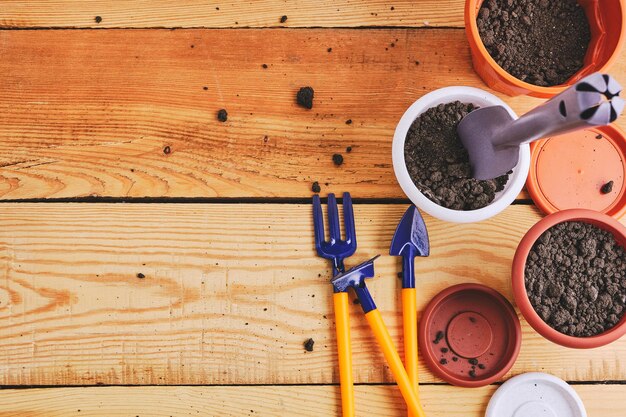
{"x": 355, "y": 278}
{"x": 492, "y": 136}
{"x": 337, "y": 250}
{"x": 409, "y": 241}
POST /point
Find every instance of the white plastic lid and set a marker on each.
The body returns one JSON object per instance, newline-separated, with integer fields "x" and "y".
{"x": 535, "y": 394}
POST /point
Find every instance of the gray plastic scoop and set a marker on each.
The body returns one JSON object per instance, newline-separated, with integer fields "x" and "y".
{"x": 492, "y": 137}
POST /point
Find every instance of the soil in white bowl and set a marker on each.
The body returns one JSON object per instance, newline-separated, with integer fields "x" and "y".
{"x": 438, "y": 164}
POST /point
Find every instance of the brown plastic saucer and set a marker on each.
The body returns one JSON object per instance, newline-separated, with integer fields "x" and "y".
{"x": 469, "y": 335}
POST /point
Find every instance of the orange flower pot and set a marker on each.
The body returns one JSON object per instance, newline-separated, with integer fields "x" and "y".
{"x": 607, "y": 19}
{"x": 519, "y": 288}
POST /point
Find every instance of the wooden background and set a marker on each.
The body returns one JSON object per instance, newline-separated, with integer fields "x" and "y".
{"x": 114, "y": 167}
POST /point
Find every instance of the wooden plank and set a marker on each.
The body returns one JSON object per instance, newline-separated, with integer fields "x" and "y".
{"x": 229, "y": 294}
{"x": 302, "y": 400}
{"x": 90, "y": 112}
{"x": 232, "y": 13}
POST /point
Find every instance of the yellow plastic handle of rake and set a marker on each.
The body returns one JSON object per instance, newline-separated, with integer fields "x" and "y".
{"x": 409, "y": 319}
{"x": 381, "y": 333}
{"x": 342, "y": 325}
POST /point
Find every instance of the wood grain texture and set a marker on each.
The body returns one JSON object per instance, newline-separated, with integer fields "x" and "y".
{"x": 228, "y": 296}
{"x": 90, "y": 112}
{"x": 232, "y": 13}
{"x": 253, "y": 401}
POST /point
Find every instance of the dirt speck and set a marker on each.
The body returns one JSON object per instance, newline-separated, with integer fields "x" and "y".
{"x": 316, "y": 187}
{"x": 283, "y": 19}
{"x": 98, "y": 19}
{"x": 308, "y": 345}
{"x": 222, "y": 115}
{"x": 167, "y": 150}
{"x": 304, "y": 97}
{"x": 607, "y": 188}
{"x": 338, "y": 159}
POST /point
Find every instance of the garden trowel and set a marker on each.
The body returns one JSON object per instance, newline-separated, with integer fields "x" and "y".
{"x": 492, "y": 136}
{"x": 409, "y": 241}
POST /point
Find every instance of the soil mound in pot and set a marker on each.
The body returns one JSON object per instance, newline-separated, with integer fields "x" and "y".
{"x": 542, "y": 42}
{"x": 439, "y": 165}
{"x": 576, "y": 279}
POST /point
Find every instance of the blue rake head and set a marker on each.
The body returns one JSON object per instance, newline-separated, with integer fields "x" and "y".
{"x": 335, "y": 249}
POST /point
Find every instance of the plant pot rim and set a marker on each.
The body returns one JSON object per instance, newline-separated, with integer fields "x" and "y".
{"x": 518, "y": 278}
{"x": 445, "y": 95}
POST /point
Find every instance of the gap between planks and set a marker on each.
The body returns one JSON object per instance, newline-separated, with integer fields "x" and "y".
{"x": 231, "y": 14}
{"x": 314, "y": 401}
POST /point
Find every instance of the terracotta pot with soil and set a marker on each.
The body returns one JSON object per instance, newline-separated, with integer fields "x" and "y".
{"x": 540, "y": 47}
{"x": 569, "y": 278}
{"x": 433, "y": 168}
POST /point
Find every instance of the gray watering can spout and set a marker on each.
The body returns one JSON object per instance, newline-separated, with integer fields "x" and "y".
{"x": 492, "y": 137}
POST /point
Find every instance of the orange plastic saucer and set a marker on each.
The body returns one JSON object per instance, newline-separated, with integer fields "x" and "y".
{"x": 568, "y": 171}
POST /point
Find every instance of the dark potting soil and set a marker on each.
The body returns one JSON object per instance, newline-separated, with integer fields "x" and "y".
{"x": 542, "y": 42}
{"x": 438, "y": 163}
{"x": 576, "y": 279}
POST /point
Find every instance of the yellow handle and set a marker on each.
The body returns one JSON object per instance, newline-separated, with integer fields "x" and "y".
{"x": 409, "y": 318}
{"x": 379, "y": 329}
{"x": 342, "y": 324}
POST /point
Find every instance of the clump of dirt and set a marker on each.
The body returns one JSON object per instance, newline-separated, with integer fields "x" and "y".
{"x": 222, "y": 115}
{"x": 542, "y": 42}
{"x": 607, "y": 188}
{"x": 576, "y": 279}
{"x": 308, "y": 345}
{"x": 338, "y": 159}
{"x": 305, "y": 97}
{"x": 316, "y": 187}
{"x": 439, "y": 165}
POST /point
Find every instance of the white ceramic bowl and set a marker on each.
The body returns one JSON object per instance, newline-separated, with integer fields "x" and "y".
{"x": 465, "y": 95}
